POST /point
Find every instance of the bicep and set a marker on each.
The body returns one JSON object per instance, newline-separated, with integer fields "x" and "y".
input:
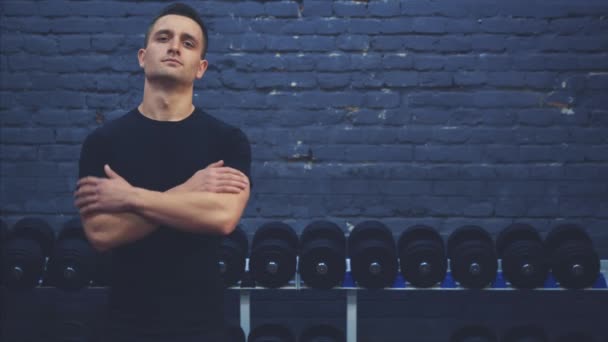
{"x": 238, "y": 154}
{"x": 93, "y": 156}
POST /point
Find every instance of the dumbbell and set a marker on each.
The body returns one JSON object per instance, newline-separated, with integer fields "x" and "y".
{"x": 271, "y": 332}
{"x": 422, "y": 256}
{"x": 103, "y": 274}
{"x": 322, "y": 333}
{"x": 25, "y": 252}
{"x": 373, "y": 255}
{"x": 233, "y": 253}
{"x": 575, "y": 336}
{"x": 234, "y": 333}
{"x": 524, "y": 261}
{"x": 472, "y": 257}
{"x": 273, "y": 254}
{"x": 322, "y": 261}
{"x": 525, "y": 333}
{"x": 73, "y": 261}
{"x": 473, "y": 333}
{"x": 572, "y": 258}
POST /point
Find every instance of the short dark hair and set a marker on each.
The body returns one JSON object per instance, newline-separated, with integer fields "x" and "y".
{"x": 185, "y": 11}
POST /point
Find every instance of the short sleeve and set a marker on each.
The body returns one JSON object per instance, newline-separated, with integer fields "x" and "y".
{"x": 93, "y": 156}
{"x": 238, "y": 153}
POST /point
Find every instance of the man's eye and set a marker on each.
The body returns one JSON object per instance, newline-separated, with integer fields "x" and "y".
{"x": 189, "y": 44}
{"x": 162, "y": 38}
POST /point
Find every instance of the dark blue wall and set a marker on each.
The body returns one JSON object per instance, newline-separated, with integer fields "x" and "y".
{"x": 441, "y": 112}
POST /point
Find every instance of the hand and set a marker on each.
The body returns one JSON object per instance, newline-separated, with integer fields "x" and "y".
{"x": 217, "y": 178}
{"x": 112, "y": 194}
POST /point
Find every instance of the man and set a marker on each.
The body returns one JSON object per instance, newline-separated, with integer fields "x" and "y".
{"x": 159, "y": 186}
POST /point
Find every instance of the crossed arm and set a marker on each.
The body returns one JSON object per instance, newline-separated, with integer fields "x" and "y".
{"x": 115, "y": 213}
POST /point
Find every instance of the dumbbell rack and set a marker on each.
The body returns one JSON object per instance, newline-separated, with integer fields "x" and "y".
{"x": 352, "y": 289}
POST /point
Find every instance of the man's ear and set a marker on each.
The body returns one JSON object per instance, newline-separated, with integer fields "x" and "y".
{"x": 140, "y": 56}
{"x": 202, "y": 67}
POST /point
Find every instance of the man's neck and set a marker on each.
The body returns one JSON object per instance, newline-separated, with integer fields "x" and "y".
{"x": 166, "y": 103}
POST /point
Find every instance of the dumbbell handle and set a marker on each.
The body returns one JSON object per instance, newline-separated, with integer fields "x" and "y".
{"x": 17, "y": 272}
{"x": 322, "y": 268}
{"x": 577, "y": 270}
{"x": 272, "y": 267}
{"x": 375, "y": 268}
{"x": 527, "y": 269}
{"x": 424, "y": 268}
{"x": 69, "y": 272}
{"x": 475, "y": 268}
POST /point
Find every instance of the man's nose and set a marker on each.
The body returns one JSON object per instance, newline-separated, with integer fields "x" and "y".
{"x": 174, "y": 46}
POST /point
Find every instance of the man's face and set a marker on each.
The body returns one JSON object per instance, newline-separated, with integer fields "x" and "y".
{"x": 174, "y": 50}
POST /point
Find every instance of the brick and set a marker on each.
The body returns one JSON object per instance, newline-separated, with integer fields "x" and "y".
{"x": 19, "y": 9}
{"x": 384, "y": 8}
{"x": 366, "y": 61}
{"x": 428, "y": 25}
{"x": 59, "y": 152}
{"x": 333, "y": 81}
{"x": 18, "y": 81}
{"x": 291, "y": 80}
{"x": 365, "y": 26}
{"x": 350, "y": 9}
{"x": 39, "y": 45}
{"x": 30, "y": 136}
{"x": 332, "y": 26}
{"x": 470, "y": 78}
{"x": 106, "y": 43}
{"x": 397, "y": 61}
{"x": 384, "y": 99}
{"x": 18, "y": 153}
{"x": 367, "y": 80}
{"x": 400, "y": 78}
{"x": 314, "y": 8}
{"x": 282, "y": 43}
{"x": 74, "y": 43}
{"x": 490, "y": 43}
{"x": 316, "y": 43}
{"x": 352, "y": 42}
{"x": 299, "y": 26}
{"x": 332, "y": 62}
{"x": 488, "y": 99}
{"x": 381, "y": 43}
{"x": 396, "y": 26}
{"x": 11, "y": 44}
{"x": 248, "y": 9}
{"x": 434, "y": 79}
{"x": 282, "y": 9}
{"x": 442, "y": 153}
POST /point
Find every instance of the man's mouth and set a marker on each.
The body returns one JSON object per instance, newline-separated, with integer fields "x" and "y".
{"x": 172, "y": 60}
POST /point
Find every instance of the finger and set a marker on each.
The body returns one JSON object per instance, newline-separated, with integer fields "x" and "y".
{"x": 218, "y": 163}
{"x": 85, "y": 190}
{"x": 228, "y": 190}
{"x": 109, "y": 172}
{"x": 231, "y": 171}
{"x": 81, "y": 202}
{"x": 88, "y": 210}
{"x": 90, "y": 180}
{"x": 234, "y": 181}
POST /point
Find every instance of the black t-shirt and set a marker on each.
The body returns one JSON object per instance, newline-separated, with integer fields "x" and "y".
{"x": 169, "y": 281}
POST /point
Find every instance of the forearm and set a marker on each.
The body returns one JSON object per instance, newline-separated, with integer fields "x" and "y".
{"x": 192, "y": 211}
{"x": 109, "y": 230}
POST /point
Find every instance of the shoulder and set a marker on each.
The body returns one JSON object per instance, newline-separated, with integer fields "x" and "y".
{"x": 113, "y": 127}
{"x": 225, "y": 129}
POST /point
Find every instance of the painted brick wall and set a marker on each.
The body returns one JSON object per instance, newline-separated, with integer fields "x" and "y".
{"x": 412, "y": 111}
